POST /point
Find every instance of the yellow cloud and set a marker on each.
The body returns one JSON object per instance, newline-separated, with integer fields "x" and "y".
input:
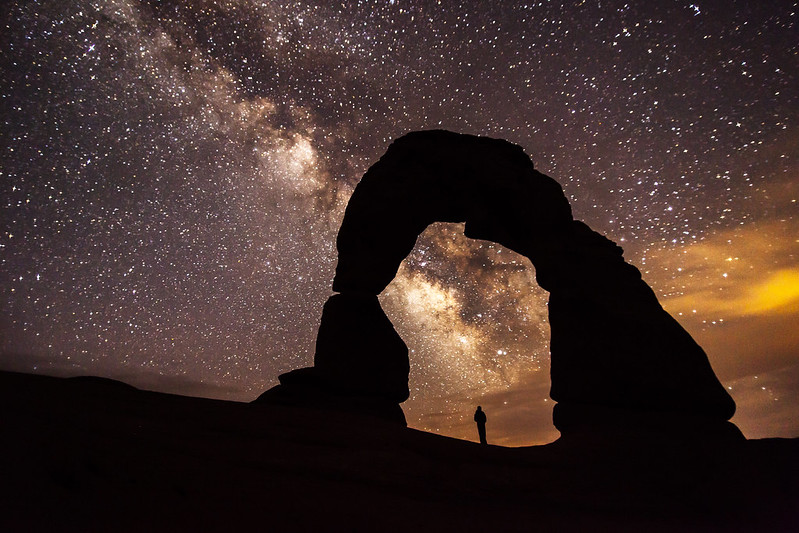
{"x": 775, "y": 293}
{"x": 780, "y": 291}
{"x": 739, "y": 273}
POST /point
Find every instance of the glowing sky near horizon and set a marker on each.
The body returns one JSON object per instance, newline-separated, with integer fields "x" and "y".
{"x": 173, "y": 175}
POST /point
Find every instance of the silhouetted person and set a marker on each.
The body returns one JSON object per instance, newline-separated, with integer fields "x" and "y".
{"x": 480, "y": 418}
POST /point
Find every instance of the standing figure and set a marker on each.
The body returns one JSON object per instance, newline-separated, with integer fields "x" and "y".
{"x": 480, "y": 418}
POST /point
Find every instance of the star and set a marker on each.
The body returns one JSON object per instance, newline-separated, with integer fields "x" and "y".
{"x": 173, "y": 176}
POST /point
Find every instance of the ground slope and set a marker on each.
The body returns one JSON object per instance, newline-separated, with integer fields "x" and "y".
{"x": 87, "y": 454}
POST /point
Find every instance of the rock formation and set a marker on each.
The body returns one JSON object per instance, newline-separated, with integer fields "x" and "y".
{"x": 613, "y": 346}
{"x": 439, "y": 176}
{"x": 359, "y": 351}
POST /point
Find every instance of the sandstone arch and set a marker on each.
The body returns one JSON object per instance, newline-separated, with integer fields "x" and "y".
{"x": 613, "y": 346}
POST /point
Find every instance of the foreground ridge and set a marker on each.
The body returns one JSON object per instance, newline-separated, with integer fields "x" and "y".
{"x": 96, "y": 455}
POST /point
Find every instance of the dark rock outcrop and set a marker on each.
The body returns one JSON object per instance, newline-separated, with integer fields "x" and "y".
{"x": 440, "y": 176}
{"x": 358, "y": 350}
{"x": 77, "y": 457}
{"x": 613, "y": 346}
{"x": 361, "y": 363}
{"x": 307, "y": 387}
{"x": 612, "y": 343}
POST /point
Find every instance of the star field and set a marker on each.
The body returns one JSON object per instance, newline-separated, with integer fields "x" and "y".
{"x": 173, "y": 176}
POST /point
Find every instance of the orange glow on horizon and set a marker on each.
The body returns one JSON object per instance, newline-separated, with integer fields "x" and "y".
{"x": 780, "y": 291}
{"x": 775, "y": 293}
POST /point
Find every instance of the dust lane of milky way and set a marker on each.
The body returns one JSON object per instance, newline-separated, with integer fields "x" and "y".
{"x": 174, "y": 174}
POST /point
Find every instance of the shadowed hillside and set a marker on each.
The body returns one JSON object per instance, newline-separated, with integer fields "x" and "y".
{"x": 89, "y": 454}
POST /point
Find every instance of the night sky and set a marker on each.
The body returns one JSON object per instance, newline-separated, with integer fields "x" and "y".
{"x": 173, "y": 175}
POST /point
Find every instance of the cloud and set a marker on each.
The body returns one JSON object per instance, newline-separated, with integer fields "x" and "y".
{"x": 779, "y": 292}
{"x": 771, "y": 293}
{"x": 764, "y": 403}
{"x": 742, "y": 272}
{"x": 737, "y": 293}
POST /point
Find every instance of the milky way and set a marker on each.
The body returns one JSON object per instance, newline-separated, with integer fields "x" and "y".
{"x": 174, "y": 174}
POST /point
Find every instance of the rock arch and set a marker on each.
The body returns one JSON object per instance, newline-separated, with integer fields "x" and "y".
{"x": 612, "y": 344}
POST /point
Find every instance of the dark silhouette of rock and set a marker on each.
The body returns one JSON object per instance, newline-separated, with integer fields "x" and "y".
{"x": 100, "y": 384}
{"x": 361, "y": 363}
{"x": 612, "y": 342}
{"x": 613, "y": 346}
{"x": 304, "y": 387}
{"x": 78, "y": 457}
{"x": 603, "y": 425}
{"x": 440, "y": 176}
{"x": 358, "y": 349}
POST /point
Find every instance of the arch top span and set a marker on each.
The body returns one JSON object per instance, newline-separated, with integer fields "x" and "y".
{"x": 441, "y": 176}
{"x": 613, "y": 347}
